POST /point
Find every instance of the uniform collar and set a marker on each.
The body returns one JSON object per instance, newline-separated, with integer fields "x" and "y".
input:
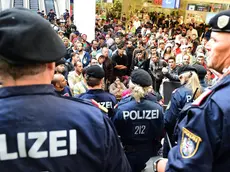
{"x": 95, "y": 91}
{"x": 26, "y": 90}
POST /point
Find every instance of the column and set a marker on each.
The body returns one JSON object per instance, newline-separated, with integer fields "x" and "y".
{"x": 84, "y": 17}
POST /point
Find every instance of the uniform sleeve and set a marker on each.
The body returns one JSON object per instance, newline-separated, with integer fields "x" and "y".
{"x": 115, "y": 159}
{"x": 172, "y": 112}
{"x": 198, "y": 141}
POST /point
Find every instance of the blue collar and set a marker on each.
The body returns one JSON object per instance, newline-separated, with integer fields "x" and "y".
{"x": 26, "y": 90}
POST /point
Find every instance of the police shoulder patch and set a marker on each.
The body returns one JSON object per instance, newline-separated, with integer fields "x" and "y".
{"x": 189, "y": 143}
{"x": 102, "y": 108}
{"x": 201, "y": 98}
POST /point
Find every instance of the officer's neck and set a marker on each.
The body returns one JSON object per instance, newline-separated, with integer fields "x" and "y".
{"x": 97, "y": 87}
{"x": 27, "y": 80}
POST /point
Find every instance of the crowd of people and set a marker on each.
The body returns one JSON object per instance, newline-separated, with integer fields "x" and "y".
{"x": 122, "y": 72}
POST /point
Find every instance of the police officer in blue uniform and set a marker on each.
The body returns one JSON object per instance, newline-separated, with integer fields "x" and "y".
{"x": 139, "y": 121}
{"x": 203, "y": 143}
{"x": 180, "y": 97}
{"x": 39, "y": 130}
{"x": 94, "y": 80}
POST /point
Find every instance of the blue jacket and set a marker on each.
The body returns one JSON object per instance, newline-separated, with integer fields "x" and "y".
{"x": 104, "y": 98}
{"x": 203, "y": 143}
{"x": 42, "y": 132}
{"x": 180, "y": 97}
{"x": 139, "y": 123}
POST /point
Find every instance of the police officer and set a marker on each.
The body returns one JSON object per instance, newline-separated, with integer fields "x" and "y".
{"x": 139, "y": 121}
{"x": 94, "y": 80}
{"x": 180, "y": 97}
{"x": 39, "y": 130}
{"x": 203, "y": 143}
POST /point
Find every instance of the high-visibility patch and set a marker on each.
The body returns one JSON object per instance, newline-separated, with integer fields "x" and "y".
{"x": 189, "y": 143}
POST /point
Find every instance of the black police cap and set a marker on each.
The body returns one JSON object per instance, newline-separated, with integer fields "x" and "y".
{"x": 186, "y": 68}
{"x": 201, "y": 71}
{"x": 95, "y": 71}
{"x": 141, "y": 77}
{"x": 221, "y": 22}
{"x": 25, "y": 37}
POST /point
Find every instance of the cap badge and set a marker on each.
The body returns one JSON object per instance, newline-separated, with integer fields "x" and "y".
{"x": 222, "y": 21}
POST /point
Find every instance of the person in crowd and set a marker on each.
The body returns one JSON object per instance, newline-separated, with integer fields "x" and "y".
{"x": 83, "y": 55}
{"x": 172, "y": 71}
{"x": 160, "y": 50}
{"x": 109, "y": 40}
{"x": 39, "y": 134}
{"x": 138, "y": 61}
{"x": 81, "y": 87}
{"x": 120, "y": 61}
{"x": 117, "y": 88}
{"x": 191, "y": 31}
{"x": 108, "y": 68}
{"x": 189, "y": 91}
{"x": 186, "y": 60}
{"x": 114, "y": 46}
{"x": 85, "y": 43}
{"x": 179, "y": 57}
{"x": 100, "y": 59}
{"x": 94, "y": 79}
{"x": 167, "y": 52}
{"x": 200, "y": 59}
{"x": 60, "y": 85}
{"x": 129, "y": 51}
{"x": 51, "y": 15}
{"x": 76, "y": 75}
{"x": 139, "y": 132}
{"x": 155, "y": 65}
{"x": 140, "y": 47}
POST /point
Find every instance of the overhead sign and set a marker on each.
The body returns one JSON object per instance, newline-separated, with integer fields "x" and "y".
{"x": 170, "y": 3}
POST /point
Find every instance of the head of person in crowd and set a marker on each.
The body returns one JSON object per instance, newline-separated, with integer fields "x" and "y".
{"x": 183, "y": 49}
{"x": 144, "y": 40}
{"x": 204, "y": 41}
{"x": 140, "y": 84}
{"x": 61, "y": 33}
{"x": 94, "y": 77}
{"x": 93, "y": 62}
{"x": 161, "y": 44}
{"x": 105, "y": 52}
{"x": 218, "y": 45}
{"x": 84, "y": 37}
{"x": 117, "y": 40}
{"x": 94, "y": 44}
{"x": 121, "y": 49}
{"x": 59, "y": 82}
{"x": 78, "y": 66}
{"x": 188, "y": 77}
{"x": 60, "y": 66}
{"x": 172, "y": 62}
{"x": 80, "y": 47}
{"x": 101, "y": 40}
{"x": 26, "y": 65}
{"x": 168, "y": 48}
{"x": 193, "y": 37}
{"x": 66, "y": 42}
{"x": 183, "y": 32}
{"x": 190, "y": 27}
{"x": 100, "y": 58}
{"x": 139, "y": 55}
{"x": 74, "y": 57}
{"x": 140, "y": 44}
{"x": 186, "y": 59}
{"x": 129, "y": 44}
{"x": 154, "y": 57}
{"x": 200, "y": 59}
{"x": 189, "y": 48}
{"x": 153, "y": 50}
{"x": 200, "y": 49}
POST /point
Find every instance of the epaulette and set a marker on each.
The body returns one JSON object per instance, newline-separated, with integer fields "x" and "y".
{"x": 174, "y": 91}
{"x": 76, "y": 99}
{"x": 201, "y": 98}
{"x": 102, "y": 108}
{"x": 124, "y": 100}
{"x": 115, "y": 106}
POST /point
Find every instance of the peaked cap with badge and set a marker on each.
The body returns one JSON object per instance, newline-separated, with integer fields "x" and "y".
{"x": 221, "y": 22}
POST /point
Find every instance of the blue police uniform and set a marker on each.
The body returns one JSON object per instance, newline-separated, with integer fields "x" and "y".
{"x": 203, "y": 143}
{"x": 180, "y": 97}
{"x": 104, "y": 98}
{"x": 43, "y": 132}
{"x": 140, "y": 126}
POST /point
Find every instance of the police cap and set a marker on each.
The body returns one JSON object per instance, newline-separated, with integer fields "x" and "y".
{"x": 221, "y": 22}
{"x": 186, "y": 68}
{"x": 25, "y": 37}
{"x": 201, "y": 71}
{"x": 95, "y": 71}
{"x": 141, "y": 77}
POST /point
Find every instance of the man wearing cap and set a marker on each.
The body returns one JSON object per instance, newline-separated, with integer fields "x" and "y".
{"x": 36, "y": 133}
{"x": 94, "y": 79}
{"x": 139, "y": 121}
{"x": 203, "y": 143}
